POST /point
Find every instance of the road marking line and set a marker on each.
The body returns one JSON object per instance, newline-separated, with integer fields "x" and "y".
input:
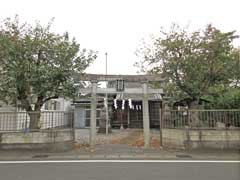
{"x": 130, "y": 161}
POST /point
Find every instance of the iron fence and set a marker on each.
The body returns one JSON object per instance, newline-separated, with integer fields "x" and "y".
{"x": 43, "y": 121}
{"x": 205, "y": 119}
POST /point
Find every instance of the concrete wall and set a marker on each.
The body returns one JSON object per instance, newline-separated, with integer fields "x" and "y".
{"x": 32, "y": 140}
{"x": 193, "y": 139}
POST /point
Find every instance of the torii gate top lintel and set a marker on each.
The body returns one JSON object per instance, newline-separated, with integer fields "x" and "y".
{"x": 111, "y": 77}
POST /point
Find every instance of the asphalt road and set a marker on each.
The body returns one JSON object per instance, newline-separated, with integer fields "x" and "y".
{"x": 121, "y": 170}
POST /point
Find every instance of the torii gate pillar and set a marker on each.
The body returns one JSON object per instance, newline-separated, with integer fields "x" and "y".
{"x": 146, "y": 128}
{"x": 93, "y": 114}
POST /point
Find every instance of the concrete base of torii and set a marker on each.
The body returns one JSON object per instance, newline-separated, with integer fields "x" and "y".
{"x": 102, "y": 123}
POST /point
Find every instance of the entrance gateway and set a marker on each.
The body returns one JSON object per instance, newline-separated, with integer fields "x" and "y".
{"x": 144, "y": 90}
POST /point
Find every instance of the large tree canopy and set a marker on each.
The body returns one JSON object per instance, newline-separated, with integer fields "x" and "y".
{"x": 36, "y": 64}
{"x": 192, "y": 62}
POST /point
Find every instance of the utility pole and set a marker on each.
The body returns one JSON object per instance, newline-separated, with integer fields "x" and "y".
{"x": 106, "y": 98}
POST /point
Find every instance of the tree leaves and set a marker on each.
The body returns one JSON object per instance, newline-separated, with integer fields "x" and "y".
{"x": 191, "y": 61}
{"x": 35, "y": 62}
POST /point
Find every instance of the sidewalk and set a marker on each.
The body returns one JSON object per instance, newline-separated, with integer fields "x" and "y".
{"x": 119, "y": 152}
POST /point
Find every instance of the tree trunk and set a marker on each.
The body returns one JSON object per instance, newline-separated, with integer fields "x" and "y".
{"x": 34, "y": 120}
{"x": 194, "y": 114}
{"x": 35, "y": 115}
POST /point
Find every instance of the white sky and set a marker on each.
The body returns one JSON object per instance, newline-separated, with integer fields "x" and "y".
{"x": 117, "y": 26}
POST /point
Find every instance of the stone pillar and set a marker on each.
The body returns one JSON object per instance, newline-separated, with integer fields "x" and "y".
{"x": 79, "y": 117}
{"x": 107, "y": 117}
{"x": 146, "y": 128}
{"x": 93, "y": 114}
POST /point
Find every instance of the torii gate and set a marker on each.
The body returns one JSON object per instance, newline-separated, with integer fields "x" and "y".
{"x": 145, "y": 91}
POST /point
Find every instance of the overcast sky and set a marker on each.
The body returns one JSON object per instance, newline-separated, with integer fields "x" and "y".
{"x": 117, "y": 26}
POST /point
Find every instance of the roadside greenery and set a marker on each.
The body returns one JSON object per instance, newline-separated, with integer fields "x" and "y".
{"x": 202, "y": 64}
{"x": 36, "y": 64}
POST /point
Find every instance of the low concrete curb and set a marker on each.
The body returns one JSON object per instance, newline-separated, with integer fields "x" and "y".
{"x": 147, "y": 156}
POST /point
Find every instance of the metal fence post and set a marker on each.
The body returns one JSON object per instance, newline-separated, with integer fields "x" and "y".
{"x": 73, "y": 125}
{"x": 187, "y": 131}
{"x": 52, "y": 121}
{"x": 188, "y": 139}
{"x": 160, "y": 126}
{"x": 188, "y": 118}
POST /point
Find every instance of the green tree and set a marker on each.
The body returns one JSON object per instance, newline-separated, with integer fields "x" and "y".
{"x": 36, "y": 65}
{"x": 192, "y": 62}
{"x": 223, "y": 97}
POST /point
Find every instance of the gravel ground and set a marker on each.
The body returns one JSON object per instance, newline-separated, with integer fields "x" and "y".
{"x": 117, "y": 136}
